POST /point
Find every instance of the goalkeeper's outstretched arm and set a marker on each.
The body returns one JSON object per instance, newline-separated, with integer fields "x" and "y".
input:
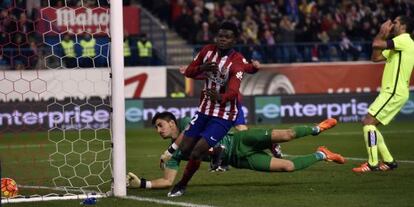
{"x": 133, "y": 181}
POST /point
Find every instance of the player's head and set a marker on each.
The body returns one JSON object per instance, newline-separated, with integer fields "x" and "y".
{"x": 402, "y": 24}
{"x": 165, "y": 123}
{"x": 227, "y": 35}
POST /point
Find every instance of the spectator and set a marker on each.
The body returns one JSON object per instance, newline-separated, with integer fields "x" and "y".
{"x": 127, "y": 50}
{"x": 250, "y": 31}
{"x": 287, "y": 38}
{"x": 348, "y": 48}
{"x": 68, "y": 49}
{"x": 88, "y": 44}
{"x": 184, "y": 23}
{"x": 204, "y": 36}
{"x": 144, "y": 47}
{"x": 177, "y": 93}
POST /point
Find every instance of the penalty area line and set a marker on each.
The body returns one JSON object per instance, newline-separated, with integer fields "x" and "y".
{"x": 167, "y": 202}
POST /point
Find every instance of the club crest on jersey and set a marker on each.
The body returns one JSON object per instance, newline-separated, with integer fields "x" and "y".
{"x": 239, "y": 75}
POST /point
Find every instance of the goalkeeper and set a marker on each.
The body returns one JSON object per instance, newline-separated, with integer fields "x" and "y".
{"x": 244, "y": 149}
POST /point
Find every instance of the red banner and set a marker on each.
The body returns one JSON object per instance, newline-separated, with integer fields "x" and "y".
{"x": 91, "y": 20}
{"x": 316, "y": 78}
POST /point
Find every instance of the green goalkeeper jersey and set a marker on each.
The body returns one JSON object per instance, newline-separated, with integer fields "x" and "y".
{"x": 175, "y": 160}
{"x": 398, "y": 66}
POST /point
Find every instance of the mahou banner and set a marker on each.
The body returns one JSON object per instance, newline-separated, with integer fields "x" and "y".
{"x": 92, "y": 20}
{"x": 332, "y": 78}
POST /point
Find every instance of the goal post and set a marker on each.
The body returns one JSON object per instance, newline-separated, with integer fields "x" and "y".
{"x": 62, "y": 117}
{"x": 118, "y": 100}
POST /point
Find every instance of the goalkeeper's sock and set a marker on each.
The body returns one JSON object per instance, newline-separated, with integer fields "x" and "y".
{"x": 302, "y": 131}
{"x": 371, "y": 140}
{"x": 145, "y": 183}
{"x": 382, "y": 148}
{"x": 303, "y": 162}
{"x": 190, "y": 169}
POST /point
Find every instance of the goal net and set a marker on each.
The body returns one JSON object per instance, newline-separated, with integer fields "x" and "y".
{"x": 55, "y": 98}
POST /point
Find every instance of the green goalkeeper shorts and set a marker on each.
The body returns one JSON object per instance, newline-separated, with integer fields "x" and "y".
{"x": 248, "y": 152}
{"x": 386, "y": 106}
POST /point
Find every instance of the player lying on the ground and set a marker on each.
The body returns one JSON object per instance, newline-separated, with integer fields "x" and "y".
{"x": 245, "y": 149}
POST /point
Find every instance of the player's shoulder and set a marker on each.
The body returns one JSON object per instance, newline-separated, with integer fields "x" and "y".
{"x": 404, "y": 38}
{"x": 209, "y": 47}
{"x": 237, "y": 56}
{"x": 239, "y": 62}
{"x": 183, "y": 122}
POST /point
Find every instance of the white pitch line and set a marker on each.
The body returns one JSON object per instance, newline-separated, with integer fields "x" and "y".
{"x": 137, "y": 198}
{"x": 168, "y": 202}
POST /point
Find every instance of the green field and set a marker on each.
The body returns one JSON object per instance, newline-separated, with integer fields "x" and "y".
{"x": 324, "y": 184}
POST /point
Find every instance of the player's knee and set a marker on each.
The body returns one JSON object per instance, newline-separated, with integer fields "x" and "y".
{"x": 288, "y": 167}
{"x": 290, "y": 134}
{"x": 369, "y": 120}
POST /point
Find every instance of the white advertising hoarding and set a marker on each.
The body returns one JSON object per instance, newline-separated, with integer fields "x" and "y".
{"x": 140, "y": 82}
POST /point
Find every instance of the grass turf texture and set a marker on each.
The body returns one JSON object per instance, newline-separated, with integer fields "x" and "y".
{"x": 323, "y": 184}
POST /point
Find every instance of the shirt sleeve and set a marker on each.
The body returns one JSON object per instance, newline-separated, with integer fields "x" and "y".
{"x": 250, "y": 69}
{"x": 233, "y": 85}
{"x": 193, "y": 70}
{"x": 400, "y": 42}
{"x": 386, "y": 53}
{"x": 175, "y": 160}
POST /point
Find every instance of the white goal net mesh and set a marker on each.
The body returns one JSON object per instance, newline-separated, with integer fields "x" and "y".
{"x": 55, "y": 110}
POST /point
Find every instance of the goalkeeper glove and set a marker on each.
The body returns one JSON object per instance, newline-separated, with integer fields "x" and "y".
{"x": 133, "y": 181}
{"x": 167, "y": 155}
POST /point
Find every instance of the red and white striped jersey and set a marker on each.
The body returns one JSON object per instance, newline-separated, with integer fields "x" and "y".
{"x": 226, "y": 81}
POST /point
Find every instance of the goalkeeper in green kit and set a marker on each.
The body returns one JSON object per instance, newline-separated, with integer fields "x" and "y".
{"x": 393, "y": 45}
{"x": 243, "y": 149}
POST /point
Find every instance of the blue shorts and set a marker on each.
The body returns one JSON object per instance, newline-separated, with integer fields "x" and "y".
{"x": 240, "y": 116}
{"x": 210, "y": 128}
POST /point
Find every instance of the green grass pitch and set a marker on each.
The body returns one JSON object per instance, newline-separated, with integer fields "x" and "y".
{"x": 323, "y": 184}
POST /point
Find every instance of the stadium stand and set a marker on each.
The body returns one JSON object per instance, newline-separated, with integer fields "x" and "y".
{"x": 272, "y": 31}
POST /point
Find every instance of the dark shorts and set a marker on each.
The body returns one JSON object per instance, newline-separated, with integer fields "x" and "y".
{"x": 240, "y": 116}
{"x": 210, "y": 128}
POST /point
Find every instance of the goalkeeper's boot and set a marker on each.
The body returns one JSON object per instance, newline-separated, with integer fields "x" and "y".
{"x": 331, "y": 156}
{"x": 276, "y": 150}
{"x": 325, "y": 125}
{"x": 133, "y": 181}
{"x": 385, "y": 166}
{"x": 365, "y": 167}
{"x": 177, "y": 190}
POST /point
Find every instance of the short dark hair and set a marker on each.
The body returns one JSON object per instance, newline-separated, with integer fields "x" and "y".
{"x": 407, "y": 21}
{"x": 227, "y": 25}
{"x": 167, "y": 116}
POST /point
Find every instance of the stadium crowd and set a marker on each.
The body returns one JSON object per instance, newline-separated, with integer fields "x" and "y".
{"x": 302, "y": 28}
{"x": 271, "y": 30}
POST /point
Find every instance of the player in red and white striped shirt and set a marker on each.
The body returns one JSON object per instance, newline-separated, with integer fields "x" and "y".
{"x": 222, "y": 69}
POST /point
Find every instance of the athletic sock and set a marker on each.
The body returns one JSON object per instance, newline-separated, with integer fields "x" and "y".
{"x": 306, "y": 161}
{"x": 382, "y": 148}
{"x": 302, "y": 131}
{"x": 190, "y": 169}
{"x": 371, "y": 141}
